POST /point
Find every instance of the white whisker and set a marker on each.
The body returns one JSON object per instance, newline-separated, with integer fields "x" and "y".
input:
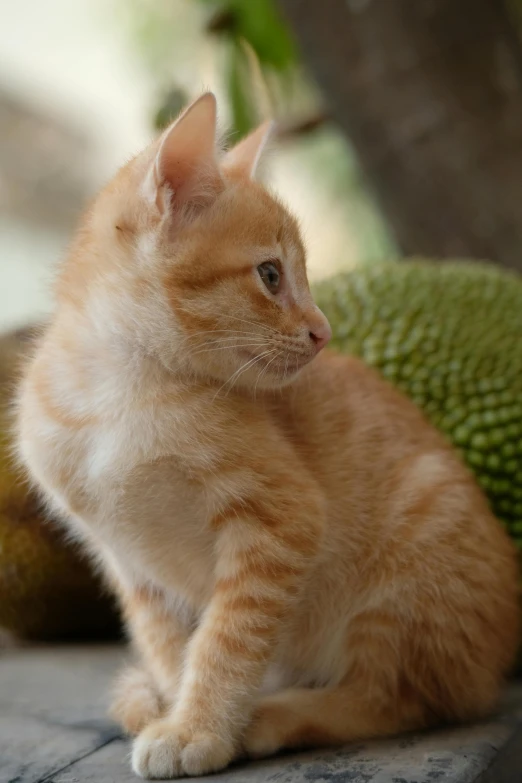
{"x": 212, "y": 332}
{"x": 268, "y": 329}
{"x": 233, "y": 378}
{"x": 264, "y": 369}
{"x": 212, "y": 348}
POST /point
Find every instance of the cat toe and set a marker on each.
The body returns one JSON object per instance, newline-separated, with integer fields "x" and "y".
{"x": 165, "y": 751}
{"x": 156, "y": 753}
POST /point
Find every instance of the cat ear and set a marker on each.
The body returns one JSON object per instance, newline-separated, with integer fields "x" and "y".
{"x": 185, "y": 171}
{"x": 244, "y": 158}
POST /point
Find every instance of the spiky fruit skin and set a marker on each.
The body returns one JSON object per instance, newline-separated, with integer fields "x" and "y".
{"x": 450, "y": 336}
{"x": 46, "y": 591}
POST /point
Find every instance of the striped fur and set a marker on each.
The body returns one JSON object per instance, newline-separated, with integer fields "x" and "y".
{"x": 300, "y": 558}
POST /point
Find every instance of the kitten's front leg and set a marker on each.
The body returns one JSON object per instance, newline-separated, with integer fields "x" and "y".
{"x": 135, "y": 700}
{"x": 145, "y": 693}
{"x": 261, "y": 567}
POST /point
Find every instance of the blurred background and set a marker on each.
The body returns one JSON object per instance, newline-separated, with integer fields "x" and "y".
{"x": 85, "y": 84}
{"x": 401, "y": 122}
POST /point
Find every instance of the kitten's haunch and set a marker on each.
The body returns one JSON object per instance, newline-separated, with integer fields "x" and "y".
{"x": 262, "y": 511}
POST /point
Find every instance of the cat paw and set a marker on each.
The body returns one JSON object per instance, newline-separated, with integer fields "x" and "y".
{"x": 166, "y": 750}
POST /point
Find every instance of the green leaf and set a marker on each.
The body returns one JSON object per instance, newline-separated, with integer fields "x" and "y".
{"x": 259, "y": 23}
{"x": 243, "y": 114}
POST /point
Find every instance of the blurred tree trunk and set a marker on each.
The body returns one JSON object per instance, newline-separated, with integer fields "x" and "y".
{"x": 430, "y": 94}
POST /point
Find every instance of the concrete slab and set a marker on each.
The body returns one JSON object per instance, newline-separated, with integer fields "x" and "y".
{"x": 53, "y": 729}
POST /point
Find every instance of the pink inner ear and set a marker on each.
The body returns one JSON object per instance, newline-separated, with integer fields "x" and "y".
{"x": 186, "y": 160}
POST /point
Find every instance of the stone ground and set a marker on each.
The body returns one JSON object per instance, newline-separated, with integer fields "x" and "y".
{"x": 53, "y": 729}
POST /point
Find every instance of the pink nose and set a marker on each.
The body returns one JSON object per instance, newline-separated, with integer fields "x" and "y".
{"x": 321, "y": 335}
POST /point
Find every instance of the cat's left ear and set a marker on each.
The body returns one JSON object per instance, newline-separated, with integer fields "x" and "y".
{"x": 244, "y": 158}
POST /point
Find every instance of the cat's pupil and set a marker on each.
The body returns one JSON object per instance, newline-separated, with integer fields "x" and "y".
{"x": 270, "y": 276}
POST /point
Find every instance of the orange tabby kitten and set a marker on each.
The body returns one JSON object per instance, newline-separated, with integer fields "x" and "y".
{"x": 264, "y": 513}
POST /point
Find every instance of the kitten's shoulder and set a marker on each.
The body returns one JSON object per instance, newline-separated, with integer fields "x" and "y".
{"x": 337, "y": 387}
{"x": 336, "y": 372}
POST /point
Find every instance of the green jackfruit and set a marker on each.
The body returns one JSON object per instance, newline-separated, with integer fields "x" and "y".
{"x": 450, "y": 336}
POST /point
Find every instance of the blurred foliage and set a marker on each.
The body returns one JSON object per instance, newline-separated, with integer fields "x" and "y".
{"x": 258, "y": 65}
{"x": 259, "y": 23}
{"x": 256, "y": 26}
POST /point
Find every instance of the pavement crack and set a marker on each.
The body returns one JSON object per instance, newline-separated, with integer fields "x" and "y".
{"x": 49, "y": 777}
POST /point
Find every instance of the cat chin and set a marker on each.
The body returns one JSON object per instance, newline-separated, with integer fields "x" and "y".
{"x": 278, "y": 379}
{"x": 286, "y": 373}
{"x": 268, "y": 382}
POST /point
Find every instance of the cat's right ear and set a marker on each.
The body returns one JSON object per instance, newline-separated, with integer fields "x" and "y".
{"x": 185, "y": 171}
{"x": 244, "y": 158}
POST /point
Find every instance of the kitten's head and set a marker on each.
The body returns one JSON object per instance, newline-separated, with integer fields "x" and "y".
{"x": 198, "y": 264}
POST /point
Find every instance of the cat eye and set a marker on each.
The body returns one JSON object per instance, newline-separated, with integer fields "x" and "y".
{"x": 270, "y": 275}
